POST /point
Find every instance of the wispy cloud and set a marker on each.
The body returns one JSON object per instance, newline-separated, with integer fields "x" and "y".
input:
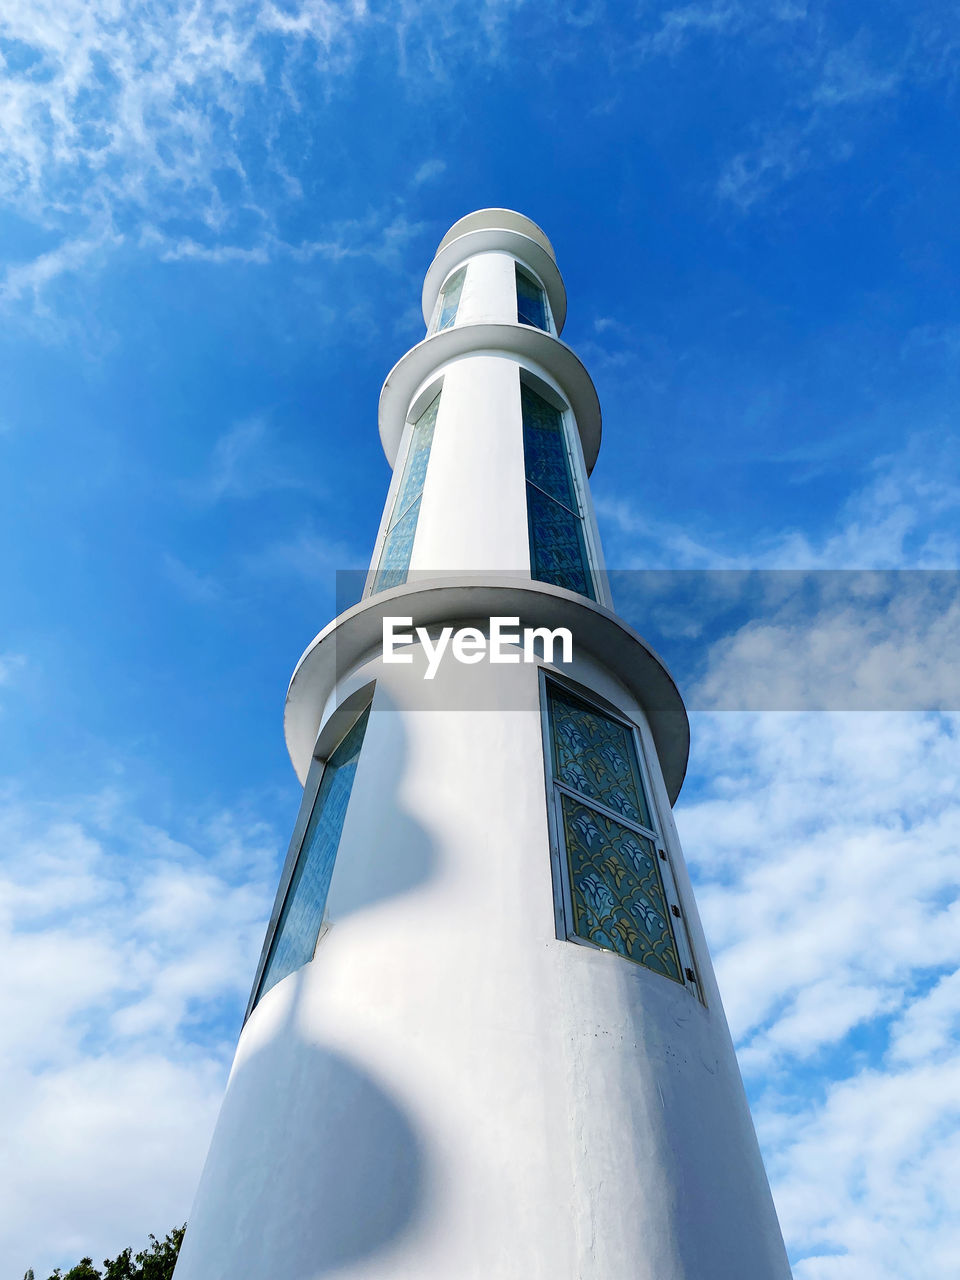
{"x": 902, "y": 515}
{"x": 309, "y": 555}
{"x": 28, "y": 280}
{"x": 247, "y": 461}
{"x": 201, "y": 588}
{"x": 678, "y": 26}
{"x": 429, "y": 170}
{"x": 830, "y": 91}
{"x": 132, "y": 127}
{"x": 10, "y": 665}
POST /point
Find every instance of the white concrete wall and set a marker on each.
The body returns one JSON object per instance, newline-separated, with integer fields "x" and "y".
{"x": 489, "y": 293}
{"x": 449, "y": 1091}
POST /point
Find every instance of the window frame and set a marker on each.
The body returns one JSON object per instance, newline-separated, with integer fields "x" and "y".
{"x": 568, "y": 423}
{"x": 336, "y": 728}
{"x": 559, "y": 858}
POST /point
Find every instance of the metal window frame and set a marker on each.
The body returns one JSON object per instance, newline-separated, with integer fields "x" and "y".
{"x": 338, "y": 725}
{"x": 559, "y": 858}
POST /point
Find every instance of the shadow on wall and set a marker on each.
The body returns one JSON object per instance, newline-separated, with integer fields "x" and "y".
{"x": 313, "y": 1164}
{"x": 384, "y": 851}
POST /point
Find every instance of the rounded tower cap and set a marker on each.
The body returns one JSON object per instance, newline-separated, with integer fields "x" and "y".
{"x": 497, "y": 220}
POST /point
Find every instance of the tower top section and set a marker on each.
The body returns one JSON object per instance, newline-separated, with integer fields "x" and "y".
{"x": 496, "y": 230}
{"x": 497, "y": 220}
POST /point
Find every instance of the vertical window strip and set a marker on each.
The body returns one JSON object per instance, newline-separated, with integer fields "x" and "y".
{"x": 450, "y": 299}
{"x": 615, "y": 896}
{"x": 295, "y": 937}
{"x": 531, "y": 301}
{"x": 558, "y": 546}
{"x": 398, "y": 542}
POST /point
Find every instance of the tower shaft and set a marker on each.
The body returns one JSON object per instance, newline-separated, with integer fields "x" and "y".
{"x": 485, "y": 1038}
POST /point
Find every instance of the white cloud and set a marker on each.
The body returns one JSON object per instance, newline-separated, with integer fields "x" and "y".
{"x": 840, "y": 641}
{"x": 930, "y": 1026}
{"x": 825, "y": 852}
{"x": 826, "y": 855}
{"x": 127, "y": 957}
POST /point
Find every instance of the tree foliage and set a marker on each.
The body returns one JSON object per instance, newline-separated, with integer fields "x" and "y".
{"x": 153, "y": 1263}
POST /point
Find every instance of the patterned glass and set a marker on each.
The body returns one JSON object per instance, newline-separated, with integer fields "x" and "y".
{"x": 450, "y": 299}
{"x": 558, "y": 551}
{"x": 295, "y": 939}
{"x": 531, "y": 303}
{"x": 544, "y": 448}
{"x": 556, "y": 545}
{"x": 616, "y": 889}
{"x": 397, "y": 550}
{"x": 398, "y": 544}
{"x": 617, "y": 892}
{"x": 596, "y": 756}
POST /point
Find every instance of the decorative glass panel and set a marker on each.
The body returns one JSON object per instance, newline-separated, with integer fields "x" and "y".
{"x": 397, "y": 549}
{"x": 398, "y": 543}
{"x": 617, "y": 892}
{"x": 531, "y": 301}
{"x": 450, "y": 299}
{"x": 596, "y": 756}
{"x": 544, "y": 448}
{"x": 557, "y": 552}
{"x": 298, "y": 927}
{"x": 558, "y": 549}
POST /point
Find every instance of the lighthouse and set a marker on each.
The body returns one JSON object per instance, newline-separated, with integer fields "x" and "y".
{"x": 484, "y": 1039}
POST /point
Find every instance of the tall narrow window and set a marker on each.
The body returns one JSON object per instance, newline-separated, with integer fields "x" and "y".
{"x": 613, "y": 886}
{"x": 558, "y": 548}
{"x": 450, "y": 299}
{"x": 295, "y": 937}
{"x": 531, "y": 301}
{"x": 398, "y": 543}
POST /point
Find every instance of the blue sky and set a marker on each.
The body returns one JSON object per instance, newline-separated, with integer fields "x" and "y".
{"x": 214, "y": 224}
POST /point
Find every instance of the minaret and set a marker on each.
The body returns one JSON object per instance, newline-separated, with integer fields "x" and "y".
{"x": 484, "y": 1040}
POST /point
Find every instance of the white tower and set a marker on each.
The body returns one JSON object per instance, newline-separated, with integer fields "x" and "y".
{"x": 485, "y": 1041}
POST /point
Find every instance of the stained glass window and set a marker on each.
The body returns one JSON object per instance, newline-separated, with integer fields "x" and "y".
{"x": 295, "y": 937}
{"x": 558, "y": 549}
{"x": 531, "y": 301}
{"x": 450, "y": 299}
{"x": 398, "y": 543}
{"x": 614, "y": 891}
